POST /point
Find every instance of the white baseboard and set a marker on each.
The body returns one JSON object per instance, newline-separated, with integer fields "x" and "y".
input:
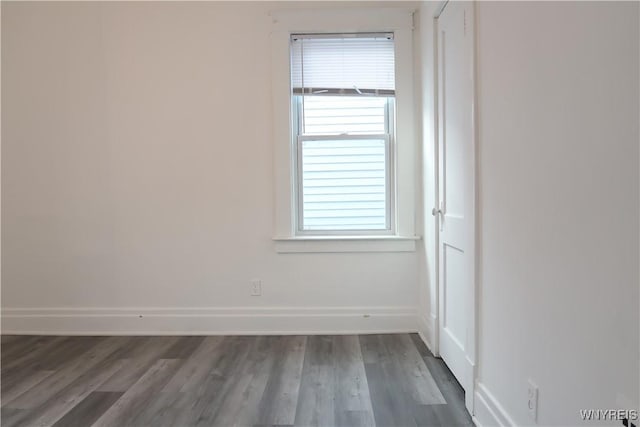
{"x": 425, "y": 331}
{"x": 208, "y": 321}
{"x": 488, "y": 412}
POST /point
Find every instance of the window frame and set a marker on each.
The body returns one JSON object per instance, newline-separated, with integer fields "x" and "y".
{"x": 297, "y": 136}
{"x": 405, "y": 154}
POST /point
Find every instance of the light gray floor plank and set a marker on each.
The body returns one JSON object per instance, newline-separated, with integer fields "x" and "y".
{"x": 65, "y": 400}
{"x": 172, "y": 407}
{"x": 12, "y": 417}
{"x": 226, "y": 374}
{"x": 12, "y": 344}
{"x": 447, "y": 384}
{"x": 168, "y": 410}
{"x": 30, "y": 356}
{"x": 89, "y": 410}
{"x": 195, "y": 369}
{"x": 58, "y": 356}
{"x": 417, "y": 379}
{"x": 14, "y": 387}
{"x": 76, "y": 365}
{"x": 280, "y": 398}
{"x": 316, "y": 402}
{"x": 196, "y": 392}
{"x": 140, "y": 359}
{"x": 8, "y": 339}
{"x": 135, "y": 399}
{"x": 392, "y": 404}
{"x": 183, "y": 348}
{"x": 352, "y": 401}
{"x": 240, "y": 406}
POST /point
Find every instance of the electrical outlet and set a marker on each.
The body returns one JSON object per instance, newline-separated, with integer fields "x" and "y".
{"x": 532, "y": 402}
{"x": 256, "y": 288}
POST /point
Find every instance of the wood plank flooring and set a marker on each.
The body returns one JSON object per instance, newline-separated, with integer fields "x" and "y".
{"x": 345, "y": 380}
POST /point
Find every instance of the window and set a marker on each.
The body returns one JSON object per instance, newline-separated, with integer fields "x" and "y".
{"x": 335, "y": 122}
{"x": 342, "y": 94}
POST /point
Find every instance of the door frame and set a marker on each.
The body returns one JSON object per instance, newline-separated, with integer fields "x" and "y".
{"x": 472, "y": 353}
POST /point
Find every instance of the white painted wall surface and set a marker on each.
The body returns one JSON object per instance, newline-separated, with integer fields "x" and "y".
{"x": 137, "y": 178}
{"x": 558, "y": 161}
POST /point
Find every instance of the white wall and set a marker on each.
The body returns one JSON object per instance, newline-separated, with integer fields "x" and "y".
{"x": 558, "y": 159}
{"x": 137, "y": 178}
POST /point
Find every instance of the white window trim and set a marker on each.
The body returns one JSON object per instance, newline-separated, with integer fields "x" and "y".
{"x": 287, "y": 22}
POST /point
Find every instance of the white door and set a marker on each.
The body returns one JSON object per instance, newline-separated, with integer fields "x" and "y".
{"x": 456, "y": 192}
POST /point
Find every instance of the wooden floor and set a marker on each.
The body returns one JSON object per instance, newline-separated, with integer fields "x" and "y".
{"x": 366, "y": 380}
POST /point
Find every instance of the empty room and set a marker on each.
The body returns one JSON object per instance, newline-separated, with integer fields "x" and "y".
{"x": 320, "y": 213}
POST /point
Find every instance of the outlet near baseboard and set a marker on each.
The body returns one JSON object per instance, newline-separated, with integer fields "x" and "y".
{"x": 256, "y": 287}
{"x": 532, "y": 400}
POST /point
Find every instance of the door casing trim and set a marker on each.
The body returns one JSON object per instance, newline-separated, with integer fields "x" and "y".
{"x": 472, "y": 359}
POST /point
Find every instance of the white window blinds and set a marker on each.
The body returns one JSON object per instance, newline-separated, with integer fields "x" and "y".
{"x": 347, "y": 64}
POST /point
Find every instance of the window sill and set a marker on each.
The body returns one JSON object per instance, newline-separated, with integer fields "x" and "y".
{"x": 338, "y": 244}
